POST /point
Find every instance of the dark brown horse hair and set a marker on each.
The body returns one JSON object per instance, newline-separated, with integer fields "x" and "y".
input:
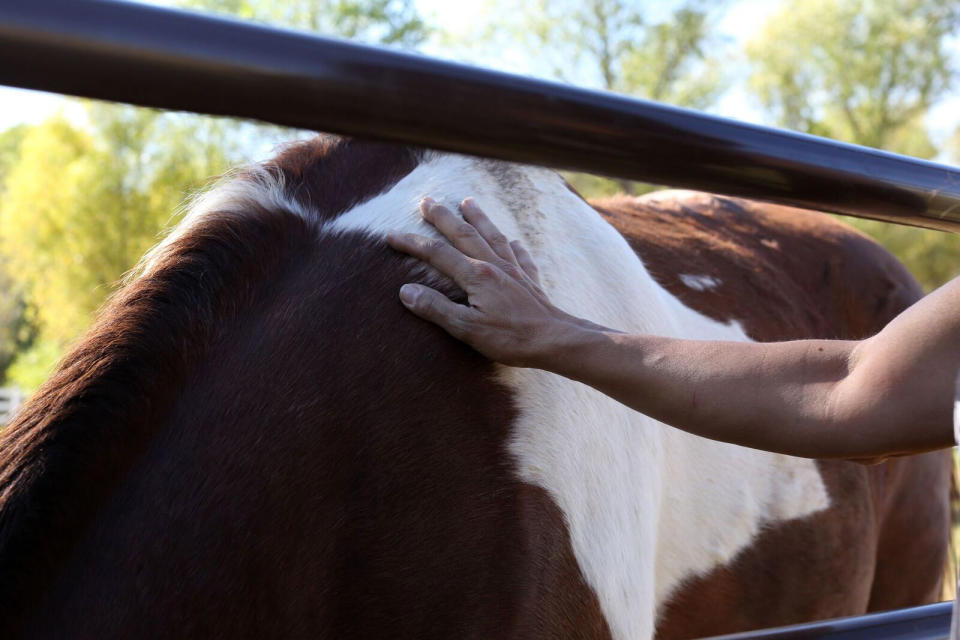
{"x": 71, "y": 444}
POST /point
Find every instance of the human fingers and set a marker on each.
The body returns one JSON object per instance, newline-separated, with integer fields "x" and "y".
{"x": 462, "y": 234}
{"x": 432, "y": 305}
{"x": 442, "y": 256}
{"x": 525, "y": 260}
{"x": 494, "y": 238}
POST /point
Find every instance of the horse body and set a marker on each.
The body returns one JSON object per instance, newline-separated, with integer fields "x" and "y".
{"x": 257, "y": 440}
{"x": 786, "y": 274}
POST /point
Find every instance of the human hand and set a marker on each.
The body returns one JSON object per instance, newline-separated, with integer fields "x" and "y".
{"x": 509, "y": 318}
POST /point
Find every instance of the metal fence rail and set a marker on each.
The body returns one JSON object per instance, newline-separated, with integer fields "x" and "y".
{"x": 931, "y": 622}
{"x": 177, "y": 60}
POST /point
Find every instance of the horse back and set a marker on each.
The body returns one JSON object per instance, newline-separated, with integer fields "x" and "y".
{"x": 258, "y": 440}
{"x": 784, "y": 274}
{"x": 333, "y": 467}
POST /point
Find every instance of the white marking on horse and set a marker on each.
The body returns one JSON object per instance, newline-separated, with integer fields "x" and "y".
{"x": 700, "y": 283}
{"x": 647, "y": 506}
{"x": 234, "y": 193}
{"x": 956, "y": 413}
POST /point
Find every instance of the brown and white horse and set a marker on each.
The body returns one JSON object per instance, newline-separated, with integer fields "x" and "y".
{"x": 256, "y": 440}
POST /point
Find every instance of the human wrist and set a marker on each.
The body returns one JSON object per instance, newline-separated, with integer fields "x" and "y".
{"x": 565, "y": 343}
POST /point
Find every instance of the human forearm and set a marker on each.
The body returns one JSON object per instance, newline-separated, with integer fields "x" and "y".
{"x": 771, "y": 396}
{"x": 775, "y": 396}
{"x": 887, "y": 395}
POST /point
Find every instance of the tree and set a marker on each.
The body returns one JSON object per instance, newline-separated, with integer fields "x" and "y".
{"x": 953, "y": 146}
{"x": 389, "y": 22}
{"x": 616, "y": 46}
{"x": 622, "y": 46}
{"x": 16, "y": 330}
{"x": 864, "y": 71}
{"x": 84, "y": 200}
{"x": 10, "y": 140}
{"x": 82, "y": 204}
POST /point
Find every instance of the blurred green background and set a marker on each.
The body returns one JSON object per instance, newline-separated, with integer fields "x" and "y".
{"x": 87, "y": 187}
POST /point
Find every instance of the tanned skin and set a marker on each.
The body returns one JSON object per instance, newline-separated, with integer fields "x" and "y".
{"x": 888, "y": 395}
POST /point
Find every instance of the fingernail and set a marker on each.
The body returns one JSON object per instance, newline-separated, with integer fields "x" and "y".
{"x": 426, "y": 203}
{"x": 408, "y": 294}
{"x": 468, "y": 203}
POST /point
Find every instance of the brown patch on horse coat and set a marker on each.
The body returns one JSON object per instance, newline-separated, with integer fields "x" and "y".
{"x": 73, "y": 442}
{"x": 257, "y": 440}
{"x": 785, "y": 274}
{"x": 330, "y": 175}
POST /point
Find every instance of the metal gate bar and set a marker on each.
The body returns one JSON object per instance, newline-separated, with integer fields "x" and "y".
{"x": 930, "y": 622}
{"x": 178, "y": 60}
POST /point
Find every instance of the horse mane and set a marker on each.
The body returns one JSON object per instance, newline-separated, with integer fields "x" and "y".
{"x": 71, "y": 445}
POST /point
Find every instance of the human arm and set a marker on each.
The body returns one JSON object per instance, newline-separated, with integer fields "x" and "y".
{"x": 887, "y": 395}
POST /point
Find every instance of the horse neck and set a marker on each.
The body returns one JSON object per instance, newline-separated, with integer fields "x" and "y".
{"x": 71, "y": 444}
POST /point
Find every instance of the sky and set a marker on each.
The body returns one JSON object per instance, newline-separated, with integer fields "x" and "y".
{"x": 742, "y": 19}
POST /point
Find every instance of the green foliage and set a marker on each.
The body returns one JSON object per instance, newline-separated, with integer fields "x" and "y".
{"x": 953, "y": 146}
{"x": 82, "y": 204}
{"x": 615, "y": 45}
{"x": 593, "y": 186}
{"x": 32, "y": 365}
{"x": 83, "y": 200}
{"x": 389, "y": 22}
{"x": 10, "y": 149}
{"x": 932, "y": 256}
{"x": 677, "y": 61}
{"x": 864, "y": 71}
{"x": 858, "y": 70}
{"x": 618, "y": 45}
{"x": 37, "y": 190}
{"x": 16, "y": 331}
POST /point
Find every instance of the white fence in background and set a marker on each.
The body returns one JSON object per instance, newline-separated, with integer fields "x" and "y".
{"x": 10, "y": 399}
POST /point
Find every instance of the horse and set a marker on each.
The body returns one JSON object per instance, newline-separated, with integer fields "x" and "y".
{"x": 255, "y": 439}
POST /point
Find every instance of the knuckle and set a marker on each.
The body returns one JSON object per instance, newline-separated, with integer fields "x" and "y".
{"x": 510, "y": 269}
{"x": 500, "y": 243}
{"x": 464, "y": 231}
{"x": 434, "y": 246}
{"x": 499, "y": 240}
{"x": 423, "y": 303}
{"x": 463, "y": 327}
{"x": 458, "y": 327}
{"x": 484, "y": 271}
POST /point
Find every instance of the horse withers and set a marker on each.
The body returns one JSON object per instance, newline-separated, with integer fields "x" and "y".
{"x": 256, "y": 440}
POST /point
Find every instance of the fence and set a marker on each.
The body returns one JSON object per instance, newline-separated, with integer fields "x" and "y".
{"x": 178, "y": 60}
